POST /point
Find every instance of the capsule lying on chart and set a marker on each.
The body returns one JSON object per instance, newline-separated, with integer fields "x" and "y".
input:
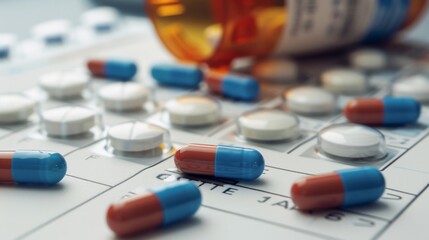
{"x": 220, "y": 161}
{"x": 32, "y": 167}
{"x": 342, "y": 188}
{"x": 116, "y": 69}
{"x": 386, "y": 111}
{"x": 177, "y": 75}
{"x": 158, "y": 207}
{"x": 238, "y": 87}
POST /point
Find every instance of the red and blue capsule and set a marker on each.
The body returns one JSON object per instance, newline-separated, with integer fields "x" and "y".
{"x": 385, "y": 111}
{"x": 177, "y": 75}
{"x": 115, "y": 69}
{"x": 159, "y": 207}
{"x": 220, "y": 161}
{"x": 237, "y": 87}
{"x": 32, "y": 167}
{"x": 343, "y": 188}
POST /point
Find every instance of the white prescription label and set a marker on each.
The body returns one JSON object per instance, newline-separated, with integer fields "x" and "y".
{"x": 318, "y": 25}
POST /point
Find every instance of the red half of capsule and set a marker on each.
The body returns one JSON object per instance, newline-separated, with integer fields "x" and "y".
{"x": 196, "y": 159}
{"x": 365, "y": 111}
{"x": 214, "y": 83}
{"x": 96, "y": 67}
{"x": 6, "y": 166}
{"x": 318, "y": 192}
{"x": 135, "y": 215}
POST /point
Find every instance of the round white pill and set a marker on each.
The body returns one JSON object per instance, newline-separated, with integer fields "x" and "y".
{"x": 52, "y": 32}
{"x": 135, "y": 137}
{"x": 276, "y": 70}
{"x": 310, "y": 100}
{"x": 416, "y": 86}
{"x": 193, "y": 111}
{"x": 68, "y": 120}
{"x": 124, "y": 96}
{"x": 268, "y": 125}
{"x": 64, "y": 85}
{"x": 345, "y": 81}
{"x": 101, "y": 18}
{"x": 368, "y": 59}
{"x": 15, "y": 108}
{"x": 351, "y": 141}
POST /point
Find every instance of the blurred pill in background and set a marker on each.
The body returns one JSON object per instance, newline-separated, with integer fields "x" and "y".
{"x": 276, "y": 70}
{"x": 193, "y": 111}
{"x": 114, "y": 69}
{"x": 343, "y": 188}
{"x": 15, "y": 108}
{"x": 368, "y": 59}
{"x": 157, "y": 207}
{"x": 233, "y": 86}
{"x": 32, "y": 167}
{"x": 268, "y": 125}
{"x": 386, "y": 111}
{"x": 123, "y": 96}
{"x": 310, "y": 100}
{"x": 67, "y": 121}
{"x": 65, "y": 84}
{"x": 54, "y": 32}
{"x": 101, "y": 19}
{"x": 177, "y": 75}
{"x": 7, "y": 41}
{"x": 220, "y": 161}
{"x": 344, "y": 81}
{"x": 415, "y": 86}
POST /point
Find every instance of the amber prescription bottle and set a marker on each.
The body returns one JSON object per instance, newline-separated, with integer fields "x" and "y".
{"x": 217, "y": 31}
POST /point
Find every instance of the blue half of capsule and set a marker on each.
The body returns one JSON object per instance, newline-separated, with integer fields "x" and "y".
{"x": 178, "y": 201}
{"x": 238, "y": 163}
{"x": 398, "y": 111}
{"x": 120, "y": 69}
{"x": 176, "y": 75}
{"x": 32, "y": 167}
{"x": 238, "y": 87}
{"x": 361, "y": 185}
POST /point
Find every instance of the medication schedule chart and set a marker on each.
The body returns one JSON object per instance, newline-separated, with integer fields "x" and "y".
{"x": 109, "y": 137}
